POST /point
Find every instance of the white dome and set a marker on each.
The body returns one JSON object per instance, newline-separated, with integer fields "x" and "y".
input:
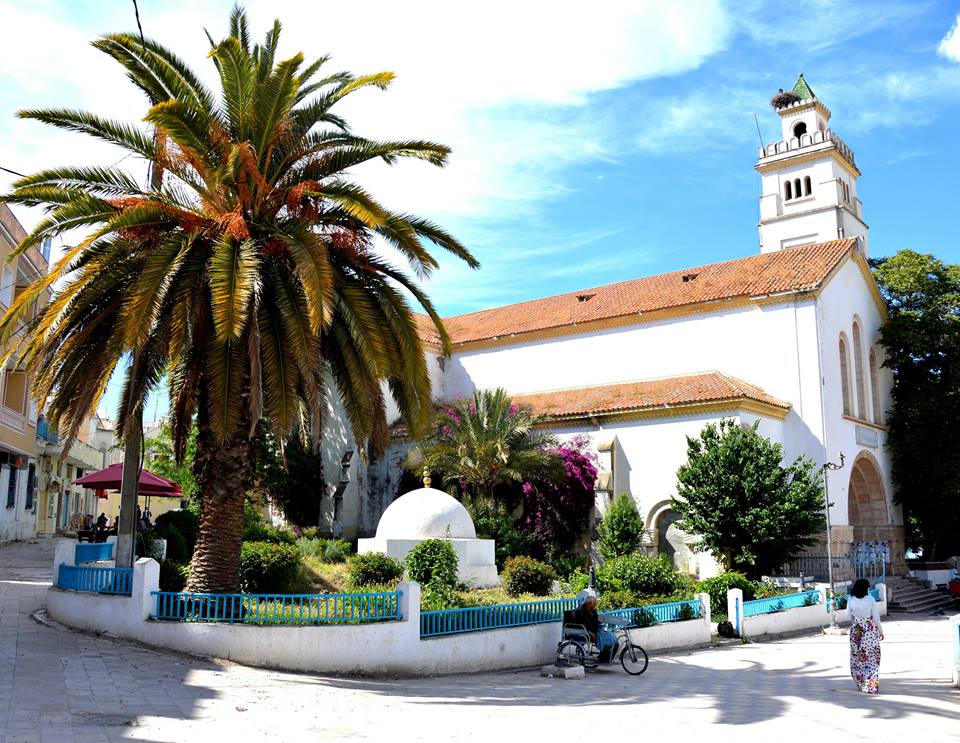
{"x": 424, "y": 514}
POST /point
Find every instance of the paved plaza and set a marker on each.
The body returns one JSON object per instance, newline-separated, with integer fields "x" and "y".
{"x": 57, "y": 685}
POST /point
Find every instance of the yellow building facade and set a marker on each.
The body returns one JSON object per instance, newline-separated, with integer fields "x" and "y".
{"x": 18, "y": 412}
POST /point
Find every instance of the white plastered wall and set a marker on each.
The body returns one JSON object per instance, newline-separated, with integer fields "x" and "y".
{"x": 848, "y": 296}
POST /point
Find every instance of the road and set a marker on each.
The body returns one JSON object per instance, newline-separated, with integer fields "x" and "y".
{"x": 60, "y": 686}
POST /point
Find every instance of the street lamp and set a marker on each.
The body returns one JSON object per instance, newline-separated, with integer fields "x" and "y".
{"x": 826, "y": 496}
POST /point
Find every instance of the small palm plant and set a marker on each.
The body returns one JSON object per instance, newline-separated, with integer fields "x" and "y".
{"x": 246, "y": 273}
{"x": 486, "y": 442}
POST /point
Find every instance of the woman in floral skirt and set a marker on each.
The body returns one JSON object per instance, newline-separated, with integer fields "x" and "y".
{"x": 866, "y": 632}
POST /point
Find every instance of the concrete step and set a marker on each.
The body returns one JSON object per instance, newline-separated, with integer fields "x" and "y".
{"x": 932, "y": 602}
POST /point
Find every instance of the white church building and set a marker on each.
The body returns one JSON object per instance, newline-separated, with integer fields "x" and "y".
{"x": 787, "y": 336}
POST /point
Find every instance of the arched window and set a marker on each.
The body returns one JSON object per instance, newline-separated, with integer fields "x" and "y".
{"x": 788, "y": 189}
{"x": 875, "y": 387}
{"x": 797, "y": 193}
{"x": 859, "y": 373}
{"x": 845, "y": 376}
{"x": 807, "y": 186}
{"x": 799, "y": 129}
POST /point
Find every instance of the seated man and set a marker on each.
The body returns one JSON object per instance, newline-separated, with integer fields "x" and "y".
{"x": 586, "y": 615}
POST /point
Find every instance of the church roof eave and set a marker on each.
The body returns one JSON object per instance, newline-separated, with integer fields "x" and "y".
{"x": 702, "y": 288}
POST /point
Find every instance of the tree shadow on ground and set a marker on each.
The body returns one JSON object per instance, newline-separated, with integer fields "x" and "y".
{"x": 745, "y": 692}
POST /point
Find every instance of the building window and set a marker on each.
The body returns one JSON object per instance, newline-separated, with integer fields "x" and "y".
{"x": 858, "y": 369}
{"x": 799, "y": 129}
{"x": 15, "y": 391}
{"x": 12, "y": 488}
{"x": 31, "y": 486}
{"x": 807, "y": 186}
{"x": 6, "y": 286}
{"x": 797, "y": 192}
{"x": 788, "y": 189}
{"x": 875, "y": 388}
{"x": 845, "y": 376}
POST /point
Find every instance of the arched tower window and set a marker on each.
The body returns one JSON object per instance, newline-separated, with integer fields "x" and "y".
{"x": 875, "y": 387}
{"x": 858, "y": 371}
{"x": 788, "y": 190}
{"x": 845, "y": 376}
{"x": 797, "y": 192}
{"x": 807, "y": 186}
{"x": 799, "y": 129}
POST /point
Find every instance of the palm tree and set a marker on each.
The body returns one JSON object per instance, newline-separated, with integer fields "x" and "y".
{"x": 242, "y": 274}
{"x": 486, "y": 442}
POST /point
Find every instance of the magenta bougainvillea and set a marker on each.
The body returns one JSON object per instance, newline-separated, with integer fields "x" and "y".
{"x": 556, "y": 515}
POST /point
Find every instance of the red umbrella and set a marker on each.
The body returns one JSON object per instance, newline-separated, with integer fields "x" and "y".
{"x": 111, "y": 477}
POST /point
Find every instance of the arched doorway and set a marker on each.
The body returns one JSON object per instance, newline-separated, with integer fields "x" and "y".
{"x": 866, "y": 499}
{"x": 669, "y": 539}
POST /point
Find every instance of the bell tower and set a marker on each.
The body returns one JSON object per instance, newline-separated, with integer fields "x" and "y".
{"x": 808, "y": 180}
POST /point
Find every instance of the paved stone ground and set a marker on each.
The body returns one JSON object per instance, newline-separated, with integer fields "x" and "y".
{"x": 57, "y": 685}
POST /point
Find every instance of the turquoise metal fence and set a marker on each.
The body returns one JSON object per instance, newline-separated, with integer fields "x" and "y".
{"x": 286, "y": 608}
{"x": 93, "y": 552}
{"x": 676, "y": 611}
{"x": 480, "y": 618}
{"x": 116, "y": 581}
{"x": 841, "y": 599}
{"x": 780, "y": 603}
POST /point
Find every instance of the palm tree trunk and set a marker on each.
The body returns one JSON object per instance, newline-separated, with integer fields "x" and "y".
{"x": 224, "y": 474}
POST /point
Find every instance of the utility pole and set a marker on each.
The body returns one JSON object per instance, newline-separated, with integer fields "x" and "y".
{"x": 133, "y": 426}
{"x": 826, "y": 496}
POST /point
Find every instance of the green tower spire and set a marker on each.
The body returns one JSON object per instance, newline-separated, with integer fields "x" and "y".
{"x": 802, "y": 90}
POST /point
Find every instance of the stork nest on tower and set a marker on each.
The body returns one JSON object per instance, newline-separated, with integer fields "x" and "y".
{"x": 784, "y": 98}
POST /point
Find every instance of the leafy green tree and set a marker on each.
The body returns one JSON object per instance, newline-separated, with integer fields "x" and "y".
{"x": 921, "y": 340}
{"x": 292, "y": 479}
{"x": 247, "y": 265}
{"x": 621, "y": 529}
{"x": 747, "y": 508}
{"x": 487, "y": 445}
{"x": 165, "y": 464}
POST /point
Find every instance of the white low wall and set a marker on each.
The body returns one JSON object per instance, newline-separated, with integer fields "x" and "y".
{"x": 789, "y": 620}
{"x": 955, "y": 632}
{"x": 381, "y": 648}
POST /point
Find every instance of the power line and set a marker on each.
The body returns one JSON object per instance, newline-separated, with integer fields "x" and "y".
{"x": 136, "y": 12}
{"x": 15, "y": 172}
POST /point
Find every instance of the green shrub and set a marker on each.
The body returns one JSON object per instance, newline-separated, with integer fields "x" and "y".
{"x": 621, "y": 529}
{"x": 491, "y": 522}
{"x": 641, "y": 574}
{"x": 268, "y": 567}
{"x": 265, "y": 533}
{"x": 576, "y": 581}
{"x": 766, "y": 589}
{"x": 809, "y": 600}
{"x": 373, "y": 569}
{"x": 644, "y": 618}
{"x": 717, "y": 589}
{"x": 685, "y": 612}
{"x": 177, "y": 548}
{"x": 435, "y": 596}
{"x": 566, "y": 565}
{"x": 173, "y": 576}
{"x": 526, "y": 575}
{"x": 309, "y": 532}
{"x": 433, "y": 562}
{"x": 617, "y": 600}
{"x": 180, "y": 529}
{"x": 311, "y": 547}
{"x": 336, "y": 550}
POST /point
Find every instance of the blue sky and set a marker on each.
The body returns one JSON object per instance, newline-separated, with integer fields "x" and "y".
{"x": 588, "y": 148}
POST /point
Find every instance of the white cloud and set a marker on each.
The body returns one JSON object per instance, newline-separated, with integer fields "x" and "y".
{"x": 505, "y": 85}
{"x": 950, "y": 44}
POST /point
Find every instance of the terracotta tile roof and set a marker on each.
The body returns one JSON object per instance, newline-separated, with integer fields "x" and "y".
{"x": 648, "y": 394}
{"x": 784, "y": 271}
